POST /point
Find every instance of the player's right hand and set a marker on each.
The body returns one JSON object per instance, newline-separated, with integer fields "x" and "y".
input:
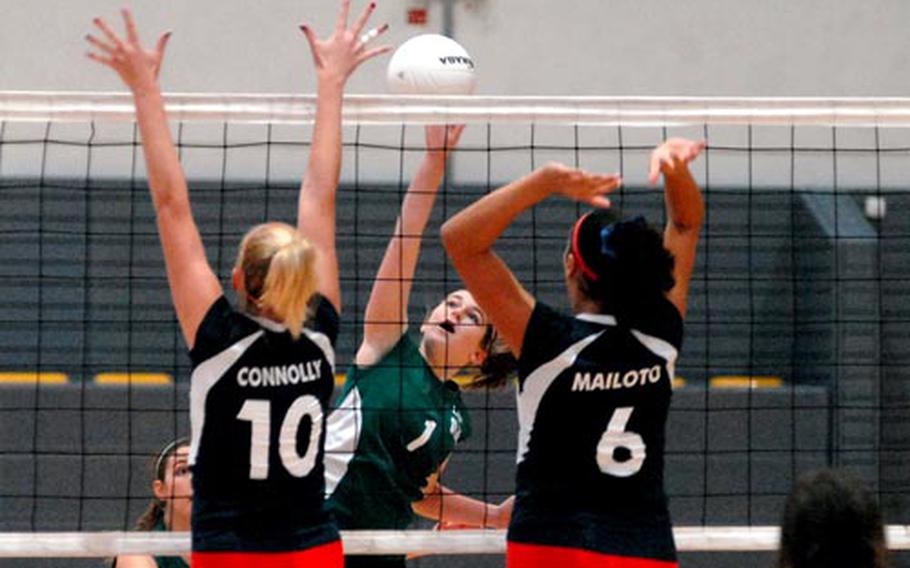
{"x": 137, "y": 67}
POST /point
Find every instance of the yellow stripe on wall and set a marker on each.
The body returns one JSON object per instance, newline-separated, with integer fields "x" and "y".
{"x": 465, "y": 380}
{"x": 744, "y": 382}
{"x": 133, "y": 378}
{"x": 34, "y": 377}
{"x": 461, "y": 380}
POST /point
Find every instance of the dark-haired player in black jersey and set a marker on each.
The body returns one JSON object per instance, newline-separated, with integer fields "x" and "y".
{"x": 831, "y": 519}
{"x": 262, "y": 377}
{"x": 594, "y": 388}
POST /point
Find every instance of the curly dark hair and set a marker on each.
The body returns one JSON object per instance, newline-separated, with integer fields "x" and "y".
{"x": 499, "y": 366}
{"x": 831, "y": 520}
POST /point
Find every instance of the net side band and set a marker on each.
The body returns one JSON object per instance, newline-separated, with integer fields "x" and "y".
{"x": 387, "y": 109}
{"x": 102, "y": 544}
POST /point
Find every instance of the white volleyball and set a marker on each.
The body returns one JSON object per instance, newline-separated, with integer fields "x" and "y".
{"x": 431, "y": 64}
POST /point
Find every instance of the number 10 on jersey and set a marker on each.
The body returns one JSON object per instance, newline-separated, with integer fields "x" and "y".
{"x": 259, "y": 413}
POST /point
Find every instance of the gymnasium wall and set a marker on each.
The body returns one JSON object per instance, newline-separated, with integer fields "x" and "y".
{"x": 522, "y": 47}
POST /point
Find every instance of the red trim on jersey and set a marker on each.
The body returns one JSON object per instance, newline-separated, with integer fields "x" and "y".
{"x": 521, "y": 555}
{"x": 324, "y": 556}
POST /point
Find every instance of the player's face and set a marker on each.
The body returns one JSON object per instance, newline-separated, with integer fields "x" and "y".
{"x": 178, "y": 484}
{"x": 453, "y": 332}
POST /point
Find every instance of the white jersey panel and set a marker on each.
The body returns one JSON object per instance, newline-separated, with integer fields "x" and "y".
{"x": 536, "y": 385}
{"x": 342, "y": 437}
{"x": 206, "y": 376}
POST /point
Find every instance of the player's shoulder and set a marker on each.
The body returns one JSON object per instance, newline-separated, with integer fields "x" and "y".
{"x": 403, "y": 356}
{"x": 551, "y": 321}
{"x": 553, "y": 328}
{"x": 324, "y": 317}
{"x": 221, "y": 327}
{"x": 663, "y": 322}
{"x": 550, "y": 333}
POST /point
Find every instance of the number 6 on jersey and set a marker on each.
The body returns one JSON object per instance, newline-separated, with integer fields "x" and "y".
{"x": 615, "y": 437}
{"x": 259, "y": 413}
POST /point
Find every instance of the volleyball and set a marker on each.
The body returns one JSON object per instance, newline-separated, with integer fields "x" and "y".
{"x": 431, "y": 64}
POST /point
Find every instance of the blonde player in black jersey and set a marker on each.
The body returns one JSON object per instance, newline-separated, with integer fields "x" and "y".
{"x": 594, "y": 389}
{"x": 262, "y": 377}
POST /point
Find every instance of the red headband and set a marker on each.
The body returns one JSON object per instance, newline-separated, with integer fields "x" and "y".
{"x": 585, "y": 269}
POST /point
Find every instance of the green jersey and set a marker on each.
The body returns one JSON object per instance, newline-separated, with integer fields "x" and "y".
{"x": 163, "y": 561}
{"x": 393, "y": 426}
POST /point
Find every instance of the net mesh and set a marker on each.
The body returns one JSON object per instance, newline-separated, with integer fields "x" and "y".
{"x": 795, "y": 354}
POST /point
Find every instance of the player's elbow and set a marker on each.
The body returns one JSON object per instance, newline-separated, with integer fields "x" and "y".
{"x": 172, "y": 210}
{"x": 429, "y": 506}
{"x": 464, "y": 250}
{"x": 689, "y": 221}
{"x": 450, "y": 239}
{"x": 688, "y": 225}
{"x": 423, "y": 509}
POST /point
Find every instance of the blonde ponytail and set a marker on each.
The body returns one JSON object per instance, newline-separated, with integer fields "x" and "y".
{"x": 290, "y": 283}
{"x": 278, "y": 267}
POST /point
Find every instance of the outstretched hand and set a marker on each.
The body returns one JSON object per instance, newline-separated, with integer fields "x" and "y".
{"x": 673, "y": 157}
{"x": 579, "y": 185}
{"x": 441, "y": 140}
{"x": 337, "y": 56}
{"x": 137, "y": 67}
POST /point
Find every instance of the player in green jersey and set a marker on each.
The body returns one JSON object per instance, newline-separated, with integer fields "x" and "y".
{"x": 170, "y": 507}
{"x": 400, "y": 414}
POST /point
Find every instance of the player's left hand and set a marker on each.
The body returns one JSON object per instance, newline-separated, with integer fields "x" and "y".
{"x": 337, "y": 56}
{"x": 672, "y": 157}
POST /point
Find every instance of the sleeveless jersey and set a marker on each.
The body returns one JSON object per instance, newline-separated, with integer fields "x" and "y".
{"x": 593, "y": 400}
{"x": 395, "y": 423}
{"x": 258, "y": 403}
{"x": 162, "y": 561}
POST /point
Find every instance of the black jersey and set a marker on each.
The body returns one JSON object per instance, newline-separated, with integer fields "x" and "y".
{"x": 258, "y": 406}
{"x": 593, "y": 400}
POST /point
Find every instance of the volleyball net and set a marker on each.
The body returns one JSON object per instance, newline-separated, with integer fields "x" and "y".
{"x": 795, "y": 355}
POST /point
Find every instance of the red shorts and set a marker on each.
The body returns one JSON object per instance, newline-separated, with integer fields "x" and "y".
{"x": 520, "y": 555}
{"x": 325, "y": 556}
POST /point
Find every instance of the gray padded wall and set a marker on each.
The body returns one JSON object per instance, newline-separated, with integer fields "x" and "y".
{"x": 814, "y": 332}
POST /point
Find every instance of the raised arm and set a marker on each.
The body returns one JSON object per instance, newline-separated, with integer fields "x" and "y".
{"x": 335, "y": 58}
{"x": 469, "y": 236}
{"x": 685, "y": 210}
{"x": 194, "y": 286}
{"x": 386, "y": 314}
{"x": 450, "y": 508}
